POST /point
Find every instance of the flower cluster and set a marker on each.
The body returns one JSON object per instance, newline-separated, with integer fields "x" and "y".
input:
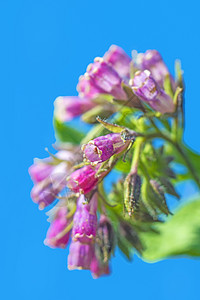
{"x": 140, "y": 97}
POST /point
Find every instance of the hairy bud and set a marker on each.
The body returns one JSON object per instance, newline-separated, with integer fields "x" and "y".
{"x": 132, "y": 186}
{"x": 105, "y": 240}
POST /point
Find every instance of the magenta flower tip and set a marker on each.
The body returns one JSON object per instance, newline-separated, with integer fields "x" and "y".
{"x": 85, "y": 220}
{"x": 83, "y": 180}
{"x": 56, "y": 235}
{"x": 80, "y": 256}
{"x": 152, "y": 61}
{"x": 100, "y": 78}
{"x": 67, "y": 108}
{"x": 146, "y": 88}
{"x": 119, "y": 60}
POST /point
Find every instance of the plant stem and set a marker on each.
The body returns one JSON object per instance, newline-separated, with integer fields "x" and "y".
{"x": 136, "y": 154}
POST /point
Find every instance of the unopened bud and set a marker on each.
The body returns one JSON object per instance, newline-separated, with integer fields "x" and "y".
{"x": 132, "y": 186}
{"x": 105, "y": 240}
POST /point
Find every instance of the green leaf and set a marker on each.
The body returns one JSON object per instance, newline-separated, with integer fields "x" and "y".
{"x": 193, "y": 157}
{"x": 123, "y": 166}
{"x": 179, "y": 235}
{"x": 65, "y": 133}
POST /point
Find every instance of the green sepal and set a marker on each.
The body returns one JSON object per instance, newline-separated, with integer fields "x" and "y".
{"x": 111, "y": 127}
{"x": 179, "y": 73}
{"x": 167, "y": 86}
{"x": 133, "y": 100}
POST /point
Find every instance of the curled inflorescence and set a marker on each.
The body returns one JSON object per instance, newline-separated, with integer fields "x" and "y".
{"x": 135, "y": 110}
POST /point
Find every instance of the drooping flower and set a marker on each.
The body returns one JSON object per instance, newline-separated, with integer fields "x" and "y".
{"x": 101, "y": 78}
{"x": 42, "y": 168}
{"x": 87, "y": 88}
{"x": 146, "y": 88}
{"x": 85, "y": 220}
{"x": 80, "y": 256}
{"x": 67, "y": 108}
{"x": 56, "y": 235}
{"x": 103, "y": 147}
{"x": 40, "y": 171}
{"x": 49, "y": 178}
{"x": 44, "y": 192}
{"x": 152, "y": 60}
{"x": 83, "y": 180}
{"x": 119, "y": 60}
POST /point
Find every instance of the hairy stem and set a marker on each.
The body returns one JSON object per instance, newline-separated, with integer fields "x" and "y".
{"x": 136, "y": 154}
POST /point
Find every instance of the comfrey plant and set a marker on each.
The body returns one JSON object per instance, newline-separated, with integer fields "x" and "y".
{"x": 136, "y": 112}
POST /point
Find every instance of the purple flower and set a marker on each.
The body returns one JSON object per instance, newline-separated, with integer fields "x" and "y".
{"x": 80, "y": 256}
{"x": 101, "y": 78}
{"x": 40, "y": 171}
{"x": 98, "y": 269}
{"x": 119, "y": 60}
{"x": 56, "y": 237}
{"x": 44, "y": 192}
{"x": 85, "y": 220}
{"x": 49, "y": 178}
{"x": 152, "y": 60}
{"x": 146, "y": 88}
{"x": 87, "y": 88}
{"x": 42, "y": 168}
{"x": 66, "y": 108}
{"x": 83, "y": 180}
{"x": 103, "y": 147}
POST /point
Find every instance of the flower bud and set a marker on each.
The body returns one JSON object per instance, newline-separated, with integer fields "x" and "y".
{"x": 103, "y": 147}
{"x": 67, "y": 108}
{"x": 83, "y": 180}
{"x": 152, "y": 60}
{"x": 132, "y": 186}
{"x": 85, "y": 220}
{"x": 146, "y": 88}
{"x": 56, "y": 235}
{"x": 98, "y": 269}
{"x": 105, "y": 240}
{"x": 119, "y": 60}
{"x": 159, "y": 196}
{"x": 80, "y": 256}
{"x": 101, "y": 78}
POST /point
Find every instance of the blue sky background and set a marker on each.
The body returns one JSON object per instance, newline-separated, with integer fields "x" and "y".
{"x": 45, "y": 46}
